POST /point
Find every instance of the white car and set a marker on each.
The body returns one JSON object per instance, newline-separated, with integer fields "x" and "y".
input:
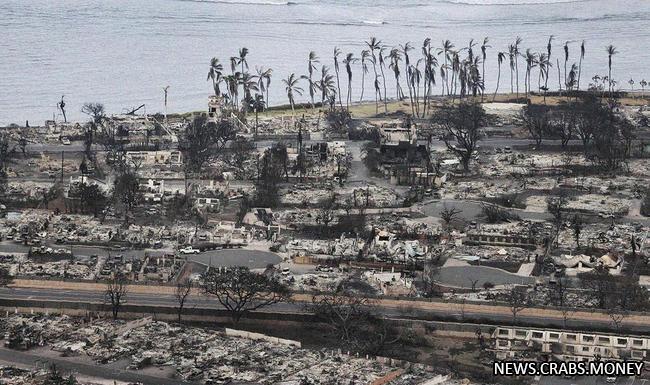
{"x": 65, "y": 141}
{"x": 189, "y": 250}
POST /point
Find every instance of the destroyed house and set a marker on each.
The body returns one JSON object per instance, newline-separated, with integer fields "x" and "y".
{"x": 493, "y": 239}
{"x": 151, "y": 158}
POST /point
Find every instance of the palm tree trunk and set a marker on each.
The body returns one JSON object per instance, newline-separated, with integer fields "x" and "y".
{"x": 559, "y": 76}
{"x": 609, "y": 77}
{"x": 512, "y": 90}
{"x": 363, "y": 83}
{"x": 497, "y": 88}
{"x": 338, "y": 87}
{"x": 348, "y": 101}
{"x": 383, "y": 79}
{"x": 579, "y": 72}
{"x": 408, "y": 84}
{"x": 517, "y": 75}
{"x": 483, "y": 93}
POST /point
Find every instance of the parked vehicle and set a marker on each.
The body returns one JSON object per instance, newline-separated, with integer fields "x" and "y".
{"x": 189, "y": 250}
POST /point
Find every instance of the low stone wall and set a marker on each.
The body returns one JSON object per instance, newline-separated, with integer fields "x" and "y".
{"x": 263, "y": 337}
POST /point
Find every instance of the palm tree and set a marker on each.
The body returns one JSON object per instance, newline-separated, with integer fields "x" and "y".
{"x": 516, "y": 52}
{"x": 326, "y": 84}
{"x": 549, "y": 47}
{"x": 511, "y": 56}
{"x": 291, "y": 87}
{"x": 313, "y": 59}
{"x": 415, "y": 77}
{"x": 377, "y": 86}
{"x": 543, "y": 69}
{"x": 531, "y": 62}
{"x": 501, "y": 56}
{"x": 373, "y": 45}
{"x": 430, "y": 64}
{"x": 232, "y": 83}
{"x": 484, "y": 48}
{"x": 382, "y": 64}
{"x": 407, "y": 62}
{"x": 447, "y": 46}
{"x": 572, "y": 79}
{"x": 264, "y": 81}
{"x": 233, "y": 64}
{"x": 643, "y": 84}
{"x": 455, "y": 71}
{"x": 243, "y": 52}
{"x": 365, "y": 55}
{"x": 611, "y": 51}
{"x": 348, "y": 61}
{"x": 257, "y": 105}
{"x": 631, "y": 83}
{"x": 582, "y": 56}
{"x": 566, "y": 59}
{"x": 395, "y": 57}
{"x": 337, "y": 52}
{"x": 249, "y": 83}
{"x": 216, "y": 74}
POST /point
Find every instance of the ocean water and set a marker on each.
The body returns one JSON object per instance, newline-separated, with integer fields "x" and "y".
{"x": 123, "y": 52}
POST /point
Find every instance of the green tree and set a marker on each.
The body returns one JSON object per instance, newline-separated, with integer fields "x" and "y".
{"x": 292, "y": 89}
{"x": 241, "y": 291}
{"x": 126, "y": 190}
{"x": 462, "y": 124}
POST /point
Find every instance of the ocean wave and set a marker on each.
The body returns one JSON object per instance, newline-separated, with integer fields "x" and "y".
{"x": 245, "y": 2}
{"x": 374, "y": 22}
{"x": 509, "y": 2}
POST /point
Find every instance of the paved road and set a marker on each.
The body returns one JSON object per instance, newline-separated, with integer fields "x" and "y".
{"x": 253, "y": 259}
{"x": 28, "y": 359}
{"x": 425, "y": 310}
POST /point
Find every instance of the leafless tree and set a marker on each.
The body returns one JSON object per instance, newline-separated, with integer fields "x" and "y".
{"x": 449, "y": 215}
{"x": 536, "y": 119}
{"x": 181, "y": 293}
{"x": 556, "y": 206}
{"x": 116, "y": 293}
{"x": 600, "y": 285}
{"x": 95, "y": 111}
{"x": 241, "y": 291}
{"x": 558, "y": 293}
{"x": 429, "y": 274}
{"x": 351, "y": 319}
{"x": 342, "y": 311}
{"x": 577, "y": 224}
{"x": 617, "y": 315}
{"x": 566, "y": 315}
{"x": 327, "y": 211}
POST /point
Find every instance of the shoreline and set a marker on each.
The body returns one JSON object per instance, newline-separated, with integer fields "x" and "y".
{"x": 367, "y": 108}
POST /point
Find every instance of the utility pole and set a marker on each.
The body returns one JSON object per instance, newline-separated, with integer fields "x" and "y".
{"x": 62, "y": 158}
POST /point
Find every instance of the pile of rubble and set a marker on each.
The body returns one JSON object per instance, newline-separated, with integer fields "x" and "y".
{"x": 195, "y": 354}
{"x": 20, "y": 265}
